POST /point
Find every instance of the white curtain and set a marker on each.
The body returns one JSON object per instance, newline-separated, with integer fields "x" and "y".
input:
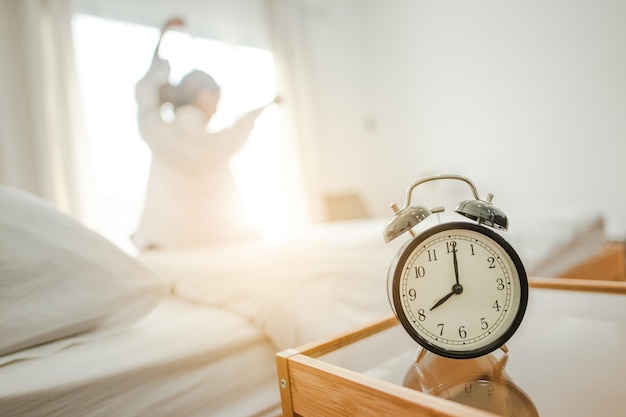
{"x": 41, "y": 145}
{"x": 288, "y": 42}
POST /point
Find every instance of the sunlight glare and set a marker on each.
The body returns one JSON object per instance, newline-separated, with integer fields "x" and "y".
{"x": 109, "y": 66}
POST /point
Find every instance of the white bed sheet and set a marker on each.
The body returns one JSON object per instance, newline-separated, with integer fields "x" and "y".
{"x": 551, "y": 244}
{"x": 180, "y": 360}
{"x": 324, "y": 282}
{"x": 332, "y": 278}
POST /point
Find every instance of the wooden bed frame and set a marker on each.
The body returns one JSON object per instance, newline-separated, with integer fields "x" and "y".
{"x": 608, "y": 265}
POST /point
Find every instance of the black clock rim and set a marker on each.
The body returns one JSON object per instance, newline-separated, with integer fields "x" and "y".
{"x": 405, "y": 322}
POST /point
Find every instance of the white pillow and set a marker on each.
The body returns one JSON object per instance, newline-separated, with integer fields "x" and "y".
{"x": 58, "y": 279}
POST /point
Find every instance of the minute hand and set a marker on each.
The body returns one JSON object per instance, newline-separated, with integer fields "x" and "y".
{"x": 456, "y": 265}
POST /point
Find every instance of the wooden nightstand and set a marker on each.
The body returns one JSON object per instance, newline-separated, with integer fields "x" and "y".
{"x": 568, "y": 357}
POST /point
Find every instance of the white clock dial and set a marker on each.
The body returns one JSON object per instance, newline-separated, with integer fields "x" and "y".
{"x": 459, "y": 290}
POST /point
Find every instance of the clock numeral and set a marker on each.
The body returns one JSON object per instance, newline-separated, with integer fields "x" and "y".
{"x": 432, "y": 255}
{"x": 492, "y": 262}
{"x": 507, "y": 403}
{"x": 500, "y": 282}
{"x": 468, "y": 387}
{"x": 451, "y": 246}
{"x": 472, "y": 247}
{"x": 412, "y": 294}
{"x": 483, "y": 324}
{"x": 420, "y": 314}
{"x": 462, "y": 332}
{"x": 440, "y": 325}
{"x": 420, "y": 272}
{"x": 496, "y": 306}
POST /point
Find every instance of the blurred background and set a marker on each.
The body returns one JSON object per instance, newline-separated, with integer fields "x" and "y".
{"x": 527, "y": 99}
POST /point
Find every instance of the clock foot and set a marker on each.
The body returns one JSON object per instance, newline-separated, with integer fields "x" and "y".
{"x": 504, "y": 349}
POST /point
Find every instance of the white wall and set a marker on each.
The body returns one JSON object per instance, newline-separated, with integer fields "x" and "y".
{"x": 528, "y": 99}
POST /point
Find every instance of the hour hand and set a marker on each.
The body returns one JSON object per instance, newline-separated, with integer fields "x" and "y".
{"x": 443, "y": 300}
{"x": 456, "y": 289}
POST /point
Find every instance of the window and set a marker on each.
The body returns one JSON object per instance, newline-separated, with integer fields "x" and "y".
{"x": 111, "y": 57}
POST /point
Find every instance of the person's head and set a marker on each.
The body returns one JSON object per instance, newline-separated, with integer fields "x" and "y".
{"x": 196, "y": 88}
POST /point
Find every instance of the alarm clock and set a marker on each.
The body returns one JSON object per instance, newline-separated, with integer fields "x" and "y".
{"x": 458, "y": 288}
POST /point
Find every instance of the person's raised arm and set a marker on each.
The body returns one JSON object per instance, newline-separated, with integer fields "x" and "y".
{"x": 148, "y": 91}
{"x": 167, "y": 26}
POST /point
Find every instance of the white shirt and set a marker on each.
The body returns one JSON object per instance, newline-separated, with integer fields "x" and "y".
{"x": 191, "y": 197}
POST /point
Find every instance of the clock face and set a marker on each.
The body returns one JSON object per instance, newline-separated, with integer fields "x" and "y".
{"x": 459, "y": 289}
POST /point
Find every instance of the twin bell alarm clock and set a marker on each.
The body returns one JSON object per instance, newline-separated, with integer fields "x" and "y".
{"x": 458, "y": 287}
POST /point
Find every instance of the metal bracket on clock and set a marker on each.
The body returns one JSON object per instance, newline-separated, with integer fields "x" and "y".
{"x": 424, "y": 351}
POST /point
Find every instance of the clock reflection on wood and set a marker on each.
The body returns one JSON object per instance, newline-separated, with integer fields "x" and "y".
{"x": 480, "y": 382}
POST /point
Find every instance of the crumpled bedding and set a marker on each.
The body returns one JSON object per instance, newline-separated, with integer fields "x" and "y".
{"x": 326, "y": 281}
{"x": 311, "y": 287}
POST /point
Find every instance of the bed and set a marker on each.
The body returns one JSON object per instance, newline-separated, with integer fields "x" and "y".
{"x": 194, "y": 332}
{"x": 179, "y": 360}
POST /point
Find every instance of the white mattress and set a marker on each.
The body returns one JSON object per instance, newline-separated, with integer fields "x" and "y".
{"x": 550, "y": 244}
{"x": 180, "y": 360}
